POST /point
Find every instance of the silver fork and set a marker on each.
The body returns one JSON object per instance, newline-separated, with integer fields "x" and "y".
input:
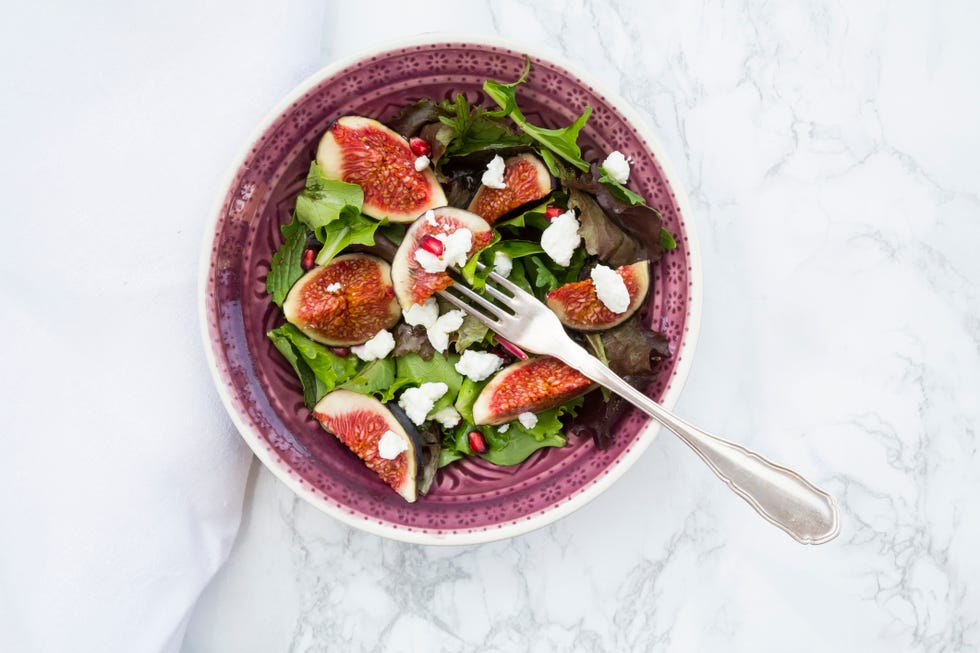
{"x": 780, "y": 495}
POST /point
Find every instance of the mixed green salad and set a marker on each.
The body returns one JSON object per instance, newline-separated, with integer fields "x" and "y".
{"x": 567, "y": 230}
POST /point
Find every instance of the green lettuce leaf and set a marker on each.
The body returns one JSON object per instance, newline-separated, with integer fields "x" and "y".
{"x": 375, "y": 378}
{"x": 350, "y": 229}
{"x": 325, "y": 200}
{"x": 470, "y": 333}
{"x": 667, "y": 241}
{"x": 327, "y": 368}
{"x": 287, "y": 262}
{"x": 563, "y": 142}
{"x": 412, "y": 369}
{"x": 313, "y": 388}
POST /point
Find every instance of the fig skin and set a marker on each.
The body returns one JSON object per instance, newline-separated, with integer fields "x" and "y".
{"x": 362, "y": 151}
{"x": 533, "y": 385}
{"x": 413, "y": 285}
{"x": 364, "y": 304}
{"x": 578, "y": 307}
{"x": 359, "y": 421}
{"x": 526, "y": 179}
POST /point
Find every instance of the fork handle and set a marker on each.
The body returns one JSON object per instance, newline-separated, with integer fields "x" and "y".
{"x": 780, "y": 495}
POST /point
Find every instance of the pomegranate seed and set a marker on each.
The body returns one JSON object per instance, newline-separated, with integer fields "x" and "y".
{"x": 420, "y": 147}
{"x": 512, "y": 348}
{"x": 432, "y": 245}
{"x": 340, "y": 351}
{"x": 552, "y": 212}
{"x": 477, "y": 442}
{"x": 308, "y": 257}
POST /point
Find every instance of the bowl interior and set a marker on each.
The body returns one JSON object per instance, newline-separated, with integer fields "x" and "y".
{"x": 259, "y": 386}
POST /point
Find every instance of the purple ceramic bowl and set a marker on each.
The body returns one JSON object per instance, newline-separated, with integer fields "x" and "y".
{"x": 471, "y": 501}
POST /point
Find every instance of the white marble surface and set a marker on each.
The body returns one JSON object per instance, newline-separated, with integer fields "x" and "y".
{"x": 829, "y": 150}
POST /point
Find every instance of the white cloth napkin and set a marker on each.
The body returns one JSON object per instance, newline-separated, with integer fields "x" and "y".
{"x": 121, "y": 478}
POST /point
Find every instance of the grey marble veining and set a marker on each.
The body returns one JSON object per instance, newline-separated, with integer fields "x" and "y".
{"x": 829, "y": 151}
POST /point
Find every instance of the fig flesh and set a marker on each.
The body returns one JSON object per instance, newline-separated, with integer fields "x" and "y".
{"x": 526, "y": 179}
{"x": 361, "y": 423}
{"x": 345, "y": 302}
{"x": 413, "y": 284}
{"x": 532, "y": 385}
{"x": 362, "y": 151}
{"x": 578, "y": 306}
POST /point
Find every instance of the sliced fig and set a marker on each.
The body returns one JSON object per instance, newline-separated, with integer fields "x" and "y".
{"x": 413, "y": 285}
{"x": 578, "y": 307}
{"x": 361, "y": 423}
{"x": 362, "y": 151}
{"x": 532, "y": 385}
{"x": 526, "y": 179}
{"x": 345, "y": 302}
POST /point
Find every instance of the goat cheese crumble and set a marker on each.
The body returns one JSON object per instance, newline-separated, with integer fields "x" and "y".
{"x": 610, "y": 289}
{"x": 377, "y": 347}
{"x": 561, "y": 238}
{"x": 494, "y": 175}
{"x": 421, "y": 163}
{"x": 417, "y": 402}
{"x": 334, "y": 287}
{"x": 502, "y": 264}
{"x": 528, "y": 420}
{"x": 447, "y": 323}
{"x": 617, "y": 166}
{"x": 478, "y": 365}
{"x": 424, "y": 314}
{"x": 390, "y": 445}
{"x": 455, "y": 249}
{"x": 448, "y": 417}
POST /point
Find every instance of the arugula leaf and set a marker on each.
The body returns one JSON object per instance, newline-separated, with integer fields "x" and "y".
{"x": 667, "y": 241}
{"x": 618, "y": 190}
{"x": 474, "y": 129}
{"x": 563, "y": 142}
{"x": 287, "y": 262}
{"x": 549, "y": 161}
{"x": 542, "y": 276}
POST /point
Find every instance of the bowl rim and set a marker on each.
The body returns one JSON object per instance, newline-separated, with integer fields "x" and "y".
{"x": 643, "y": 438}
